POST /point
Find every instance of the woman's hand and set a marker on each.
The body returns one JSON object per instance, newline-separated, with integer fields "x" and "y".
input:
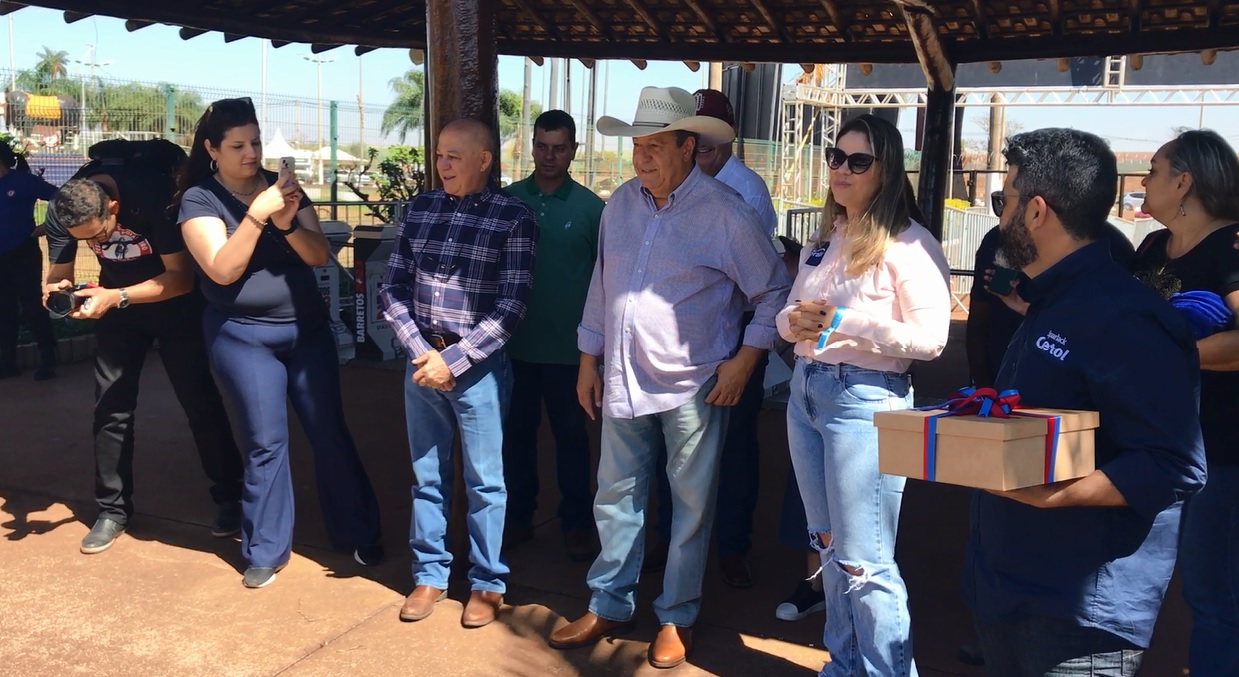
{"x": 284, "y": 216}
{"x": 268, "y": 203}
{"x": 809, "y": 319}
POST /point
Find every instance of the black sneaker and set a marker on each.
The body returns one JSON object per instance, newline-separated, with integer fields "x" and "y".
{"x": 261, "y": 577}
{"x": 102, "y": 535}
{"x": 803, "y": 602}
{"x": 227, "y": 520}
{"x": 368, "y": 555}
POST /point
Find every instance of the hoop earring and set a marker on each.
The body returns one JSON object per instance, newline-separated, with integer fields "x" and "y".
{"x": 214, "y": 166}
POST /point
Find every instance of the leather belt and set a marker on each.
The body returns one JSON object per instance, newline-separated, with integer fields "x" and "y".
{"x": 440, "y": 339}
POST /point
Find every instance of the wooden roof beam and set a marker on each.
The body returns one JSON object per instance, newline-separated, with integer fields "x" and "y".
{"x": 1133, "y": 9}
{"x": 640, "y": 63}
{"x": 1056, "y": 17}
{"x": 650, "y": 20}
{"x": 319, "y": 48}
{"x": 7, "y": 7}
{"x": 188, "y": 33}
{"x": 537, "y": 18}
{"x": 135, "y": 25}
{"x": 537, "y": 60}
{"x": 594, "y": 20}
{"x": 362, "y": 49}
{"x": 836, "y": 18}
{"x": 74, "y": 17}
{"x": 978, "y": 11}
{"x": 693, "y": 66}
{"x": 233, "y": 37}
{"x": 1213, "y": 7}
{"x": 929, "y": 50}
{"x": 706, "y": 19}
{"x": 772, "y": 21}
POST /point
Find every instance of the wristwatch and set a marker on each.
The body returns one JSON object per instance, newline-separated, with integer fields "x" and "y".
{"x": 124, "y": 298}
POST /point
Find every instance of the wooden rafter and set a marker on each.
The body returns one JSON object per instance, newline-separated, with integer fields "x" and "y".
{"x": 1056, "y": 17}
{"x": 74, "y": 17}
{"x": 771, "y": 20}
{"x": 836, "y": 18}
{"x": 359, "y": 50}
{"x": 706, "y": 19}
{"x": 592, "y": 17}
{"x": 188, "y": 33}
{"x": 640, "y": 64}
{"x": 135, "y": 25}
{"x": 319, "y": 48}
{"x": 233, "y": 37}
{"x": 7, "y": 7}
{"x": 650, "y": 20}
{"x": 1215, "y": 15}
{"x": 1133, "y": 9}
{"x": 537, "y": 18}
{"x": 693, "y": 66}
{"x": 978, "y": 13}
{"x": 929, "y": 51}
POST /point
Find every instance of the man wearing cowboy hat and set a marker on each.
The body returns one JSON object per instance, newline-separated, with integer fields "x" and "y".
{"x": 679, "y": 256}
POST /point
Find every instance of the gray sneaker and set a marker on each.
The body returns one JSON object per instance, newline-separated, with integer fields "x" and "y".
{"x": 261, "y": 577}
{"x": 227, "y": 520}
{"x": 101, "y": 536}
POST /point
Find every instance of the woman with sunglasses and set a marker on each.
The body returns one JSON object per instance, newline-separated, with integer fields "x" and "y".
{"x": 1193, "y": 189}
{"x": 254, "y": 238}
{"x": 870, "y": 297}
{"x": 21, "y": 264}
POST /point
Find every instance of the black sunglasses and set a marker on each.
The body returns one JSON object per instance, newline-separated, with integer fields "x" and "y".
{"x": 998, "y": 200}
{"x": 858, "y": 163}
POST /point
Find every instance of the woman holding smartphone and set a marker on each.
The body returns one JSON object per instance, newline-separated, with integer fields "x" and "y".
{"x": 870, "y": 297}
{"x": 254, "y": 238}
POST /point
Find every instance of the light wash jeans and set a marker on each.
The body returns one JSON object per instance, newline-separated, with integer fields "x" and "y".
{"x": 477, "y": 403}
{"x": 1209, "y": 564}
{"x": 693, "y": 434}
{"x": 834, "y": 449}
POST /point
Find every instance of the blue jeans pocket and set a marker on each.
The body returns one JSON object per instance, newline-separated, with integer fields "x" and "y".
{"x": 868, "y": 386}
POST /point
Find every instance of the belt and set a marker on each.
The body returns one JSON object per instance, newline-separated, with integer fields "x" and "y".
{"x": 440, "y": 339}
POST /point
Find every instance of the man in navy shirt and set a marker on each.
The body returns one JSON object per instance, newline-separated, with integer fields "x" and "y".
{"x": 1069, "y": 576}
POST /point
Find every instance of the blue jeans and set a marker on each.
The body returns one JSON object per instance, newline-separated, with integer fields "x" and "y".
{"x": 1209, "y": 564}
{"x": 477, "y": 404}
{"x": 834, "y": 449}
{"x": 693, "y": 436}
{"x": 259, "y": 365}
{"x": 1037, "y": 646}
{"x": 738, "y": 469}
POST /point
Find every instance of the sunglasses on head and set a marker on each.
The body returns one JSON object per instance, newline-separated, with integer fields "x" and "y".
{"x": 858, "y": 163}
{"x": 243, "y": 104}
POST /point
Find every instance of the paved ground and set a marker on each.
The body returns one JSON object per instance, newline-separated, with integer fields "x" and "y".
{"x": 167, "y": 598}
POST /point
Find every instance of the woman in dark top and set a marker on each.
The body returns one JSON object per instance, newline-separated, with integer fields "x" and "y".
{"x": 253, "y": 243}
{"x": 1193, "y": 189}
{"x": 21, "y": 264}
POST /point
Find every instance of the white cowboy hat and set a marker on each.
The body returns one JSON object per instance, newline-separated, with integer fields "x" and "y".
{"x": 668, "y": 109}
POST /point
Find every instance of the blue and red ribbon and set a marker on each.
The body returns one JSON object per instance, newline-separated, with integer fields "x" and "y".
{"x": 984, "y": 402}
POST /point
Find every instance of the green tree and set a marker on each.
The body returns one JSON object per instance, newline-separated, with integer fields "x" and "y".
{"x": 510, "y": 113}
{"x": 404, "y": 114}
{"x": 400, "y": 177}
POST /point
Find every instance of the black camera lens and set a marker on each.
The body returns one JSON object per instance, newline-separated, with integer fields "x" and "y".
{"x": 61, "y": 303}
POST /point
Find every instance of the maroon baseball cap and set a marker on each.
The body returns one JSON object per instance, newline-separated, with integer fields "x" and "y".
{"x": 714, "y": 103}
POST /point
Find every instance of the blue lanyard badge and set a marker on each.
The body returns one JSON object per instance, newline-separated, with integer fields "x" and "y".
{"x": 815, "y": 256}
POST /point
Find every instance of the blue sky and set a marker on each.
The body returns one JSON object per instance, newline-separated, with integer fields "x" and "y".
{"x": 157, "y": 54}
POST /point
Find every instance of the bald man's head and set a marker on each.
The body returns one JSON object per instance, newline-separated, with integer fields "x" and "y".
{"x": 464, "y": 156}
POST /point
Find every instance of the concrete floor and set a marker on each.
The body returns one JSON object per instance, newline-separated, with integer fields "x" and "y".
{"x": 167, "y": 598}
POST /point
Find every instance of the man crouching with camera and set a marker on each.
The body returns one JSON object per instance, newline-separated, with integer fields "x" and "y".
{"x": 145, "y": 293}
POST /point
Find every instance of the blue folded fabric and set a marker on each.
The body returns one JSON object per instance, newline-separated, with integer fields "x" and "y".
{"x": 1206, "y": 312}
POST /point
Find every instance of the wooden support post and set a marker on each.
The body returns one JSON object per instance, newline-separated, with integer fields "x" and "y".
{"x": 936, "y": 148}
{"x": 462, "y": 71}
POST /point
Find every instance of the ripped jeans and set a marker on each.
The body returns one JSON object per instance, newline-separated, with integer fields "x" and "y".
{"x": 834, "y": 449}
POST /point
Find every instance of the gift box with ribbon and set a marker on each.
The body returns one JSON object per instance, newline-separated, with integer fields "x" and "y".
{"x": 985, "y": 439}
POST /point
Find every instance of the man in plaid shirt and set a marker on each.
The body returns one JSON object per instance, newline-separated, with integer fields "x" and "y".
{"x": 455, "y": 289}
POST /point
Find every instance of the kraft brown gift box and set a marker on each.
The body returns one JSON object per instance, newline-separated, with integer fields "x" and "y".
{"x": 986, "y": 452}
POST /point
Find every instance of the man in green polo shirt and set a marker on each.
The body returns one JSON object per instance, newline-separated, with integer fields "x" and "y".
{"x": 544, "y": 353}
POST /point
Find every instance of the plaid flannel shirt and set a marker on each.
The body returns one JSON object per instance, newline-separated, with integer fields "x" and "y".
{"x": 462, "y": 265}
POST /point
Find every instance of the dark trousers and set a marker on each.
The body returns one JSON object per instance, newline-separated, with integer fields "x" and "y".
{"x": 260, "y": 368}
{"x": 737, "y": 473}
{"x": 1037, "y": 646}
{"x": 124, "y": 338}
{"x": 554, "y": 384}
{"x": 21, "y": 296}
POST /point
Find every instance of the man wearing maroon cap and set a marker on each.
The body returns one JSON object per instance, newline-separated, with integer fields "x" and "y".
{"x": 737, "y": 489}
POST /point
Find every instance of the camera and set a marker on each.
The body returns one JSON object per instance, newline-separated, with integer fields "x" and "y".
{"x": 62, "y": 302}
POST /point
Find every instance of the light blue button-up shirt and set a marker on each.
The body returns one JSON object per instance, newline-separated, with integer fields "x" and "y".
{"x": 668, "y": 291}
{"x": 752, "y": 188}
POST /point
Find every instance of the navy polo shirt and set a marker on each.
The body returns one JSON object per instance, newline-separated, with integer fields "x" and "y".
{"x": 18, "y": 193}
{"x": 1095, "y": 338}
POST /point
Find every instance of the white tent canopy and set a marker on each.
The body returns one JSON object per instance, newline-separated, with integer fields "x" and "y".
{"x": 277, "y": 147}
{"x": 324, "y": 154}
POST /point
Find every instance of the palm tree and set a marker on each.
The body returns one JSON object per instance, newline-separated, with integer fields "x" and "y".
{"x": 52, "y": 65}
{"x": 405, "y": 113}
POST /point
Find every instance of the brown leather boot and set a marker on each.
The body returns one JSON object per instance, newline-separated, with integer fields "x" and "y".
{"x": 587, "y": 630}
{"x": 671, "y": 647}
{"x": 481, "y": 609}
{"x": 421, "y": 603}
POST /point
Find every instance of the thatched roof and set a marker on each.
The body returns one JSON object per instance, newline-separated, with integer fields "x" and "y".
{"x": 799, "y": 31}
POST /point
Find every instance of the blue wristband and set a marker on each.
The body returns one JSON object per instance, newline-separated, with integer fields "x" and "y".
{"x": 834, "y": 324}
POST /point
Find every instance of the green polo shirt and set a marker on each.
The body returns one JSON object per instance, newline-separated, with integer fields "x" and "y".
{"x": 567, "y": 247}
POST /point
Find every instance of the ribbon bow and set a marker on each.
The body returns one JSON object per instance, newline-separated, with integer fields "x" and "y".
{"x": 1206, "y": 312}
{"x": 984, "y": 402}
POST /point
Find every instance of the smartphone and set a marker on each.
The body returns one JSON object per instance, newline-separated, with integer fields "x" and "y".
{"x": 288, "y": 171}
{"x": 1000, "y": 283}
